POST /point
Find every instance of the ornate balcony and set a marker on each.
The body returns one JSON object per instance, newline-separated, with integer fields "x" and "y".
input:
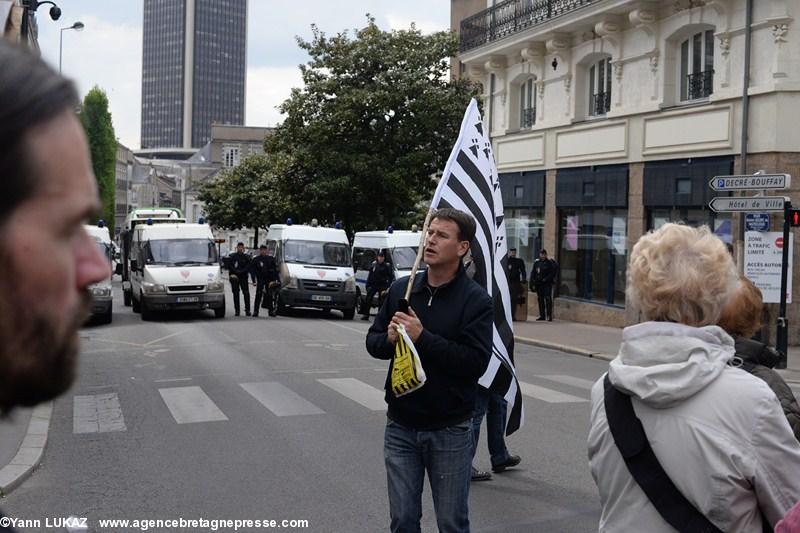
{"x": 599, "y": 104}
{"x": 700, "y": 85}
{"x": 527, "y": 117}
{"x": 510, "y": 17}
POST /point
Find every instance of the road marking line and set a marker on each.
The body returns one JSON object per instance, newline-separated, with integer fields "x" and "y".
{"x": 568, "y": 380}
{"x": 120, "y": 342}
{"x": 320, "y": 371}
{"x": 548, "y": 395}
{"x": 165, "y": 338}
{"x": 281, "y": 400}
{"x": 190, "y": 405}
{"x": 98, "y": 413}
{"x": 358, "y": 391}
{"x": 172, "y": 380}
{"x": 362, "y": 331}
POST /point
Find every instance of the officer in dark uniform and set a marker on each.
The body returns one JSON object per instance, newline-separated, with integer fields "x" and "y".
{"x": 515, "y": 272}
{"x": 381, "y": 275}
{"x": 239, "y": 268}
{"x": 264, "y": 270}
{"x": 543, "y": 275}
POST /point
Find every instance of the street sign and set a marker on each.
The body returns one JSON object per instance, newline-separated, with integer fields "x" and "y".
{"x": 756, "y": 221}
{"x": 727, "y": 204}
{"x": 763, "y": 260}
{"x": 750, "y": 182}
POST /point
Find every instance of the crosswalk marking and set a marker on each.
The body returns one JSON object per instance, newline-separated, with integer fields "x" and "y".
{"x": 548, "y": 395}
{"x": 568, "y": 380}
{"x": 190, "y": 404}
{"x": 358, "y": 391}
{"x": 98, "y": 413}
{"x": 281, "y": 400}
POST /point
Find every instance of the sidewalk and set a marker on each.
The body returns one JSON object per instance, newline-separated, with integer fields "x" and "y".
{"x": 602, "y": 342}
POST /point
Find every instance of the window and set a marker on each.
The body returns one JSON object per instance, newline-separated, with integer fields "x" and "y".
{"x": 230, "y": 156}
{"x": 527, "y": 104}
{"x": 519, "y": 191}
{"x": 524, "y": 229}
{"x": 720, "y": 223}
{"x": 697, "y": 66}
{"x": 600, "y": 87}
{"x": 592, "y": 255}
{"x": 683, "y": 186}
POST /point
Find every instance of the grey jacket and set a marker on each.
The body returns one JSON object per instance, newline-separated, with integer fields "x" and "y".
{"x": 718, "y": 432}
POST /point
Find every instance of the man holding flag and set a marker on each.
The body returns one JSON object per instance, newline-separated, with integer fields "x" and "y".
{"x": 449, "y": 320}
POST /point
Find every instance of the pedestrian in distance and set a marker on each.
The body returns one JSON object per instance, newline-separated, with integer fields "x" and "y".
{"x": 706, "y": 445}
{"x": 381, "y": 275}
{"x": 239, "y": 271}
{"x": 430, "y": 430}
{"x": 47, "y": 193}
{"x": 494, "y": 406}
{"x": 264, "y": 271}
{"x": 741, "y": 318}
{"x": 543, "y": 275}
{"x": 515, "y": 273}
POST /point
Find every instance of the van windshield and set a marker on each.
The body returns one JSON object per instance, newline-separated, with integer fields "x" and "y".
{"x": 316, "y": 253}
{"x": 181, "y": 252}
{"x": 403, "y": 258}
{"x": 104, "y": 248}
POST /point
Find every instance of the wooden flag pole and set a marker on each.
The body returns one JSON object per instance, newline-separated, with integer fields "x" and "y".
{"x": 420, "y": 251}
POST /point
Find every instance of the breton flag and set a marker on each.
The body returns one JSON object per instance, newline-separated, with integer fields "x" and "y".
{"x": 470, "y": 183}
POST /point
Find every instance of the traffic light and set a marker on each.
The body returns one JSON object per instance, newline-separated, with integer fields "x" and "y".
{"x": 794, "y": 218}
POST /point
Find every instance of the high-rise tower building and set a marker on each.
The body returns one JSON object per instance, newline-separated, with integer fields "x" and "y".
{"x": 193, "y": 70}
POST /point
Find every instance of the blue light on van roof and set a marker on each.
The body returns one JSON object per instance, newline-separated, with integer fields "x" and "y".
{"x": 149, "y": 221}
{"x": 390, "y": 229}
{"x": 338, "y": 224}
{"x": 101, "y": 223}
{"x": 289, "y": 221}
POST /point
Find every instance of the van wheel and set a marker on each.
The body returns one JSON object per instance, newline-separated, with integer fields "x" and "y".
{"x": 219, "y": 312}
{"x": 349, "y": 313}
{"x": 359, "y": 299}
{"x": 136, "y": 304}
{"x": 147, "y": 314}
{"x": 280, "y": 307}
{"x": 126, "y": 298}
{"x": 106, "y": 319}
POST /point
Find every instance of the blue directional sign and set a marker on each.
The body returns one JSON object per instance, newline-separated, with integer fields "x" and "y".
{"x": 756, "y": 221}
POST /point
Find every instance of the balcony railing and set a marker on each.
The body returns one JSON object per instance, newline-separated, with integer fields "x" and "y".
{"x": 700, "y": 84}
{"x": 599, "y": 103}
{"x": 510, "y": 17}
{"x": 527, "y": 118}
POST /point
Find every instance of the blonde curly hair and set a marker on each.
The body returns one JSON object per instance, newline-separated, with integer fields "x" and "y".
{"x": 681, "y": 274}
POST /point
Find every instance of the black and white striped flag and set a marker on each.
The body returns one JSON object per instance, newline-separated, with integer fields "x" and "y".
{"x": 470, "y": 183}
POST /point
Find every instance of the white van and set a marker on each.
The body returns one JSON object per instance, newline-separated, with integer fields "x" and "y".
{"x": 315, "y": 267}
{"x": 144, "y": 215}
{"x": 101, "y": 291}
{"x": 400, "y": 248}
{"x": 175, "y": 266}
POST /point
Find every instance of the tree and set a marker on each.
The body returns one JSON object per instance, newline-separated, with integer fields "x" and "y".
{"x": 96, "y": 120}
{"x": 248, "y": 195}
{"x": 377, "y": 119}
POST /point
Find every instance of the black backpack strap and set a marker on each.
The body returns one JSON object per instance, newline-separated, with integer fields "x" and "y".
{"x": 643, "y": 465}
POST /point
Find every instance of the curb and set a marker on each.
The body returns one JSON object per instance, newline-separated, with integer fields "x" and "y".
{"x": 564, "y": 348}
{"x": 30, "y": 451}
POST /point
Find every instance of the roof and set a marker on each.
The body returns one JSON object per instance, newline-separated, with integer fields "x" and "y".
{"x": 176, "y": 231}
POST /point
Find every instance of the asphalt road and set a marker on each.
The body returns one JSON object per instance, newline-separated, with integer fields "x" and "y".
{"x": 280, "y": 418}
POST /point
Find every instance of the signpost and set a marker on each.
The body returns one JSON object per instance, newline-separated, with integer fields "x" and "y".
{"x": 730, "y": 204}
{"x": 750, "y": 204}
{"x": 756, "y": 221}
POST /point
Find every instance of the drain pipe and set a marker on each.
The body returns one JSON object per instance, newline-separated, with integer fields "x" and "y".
{"x": 745, "y": 114}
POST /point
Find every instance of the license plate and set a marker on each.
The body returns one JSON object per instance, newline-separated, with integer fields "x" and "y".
{"x": 187, "y": 299}
{"x": 318, "y": 298}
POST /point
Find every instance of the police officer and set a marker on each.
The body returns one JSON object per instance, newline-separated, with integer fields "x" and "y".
{"x": 264, "y": 270}
{"x": 380, "y": 278}
{"x": 515, "y": 272}
{"x": 239, "y": 268}
{"x": 543, "y": 275}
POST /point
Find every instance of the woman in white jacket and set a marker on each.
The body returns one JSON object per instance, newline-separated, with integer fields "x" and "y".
{"x": 718, "y": 432}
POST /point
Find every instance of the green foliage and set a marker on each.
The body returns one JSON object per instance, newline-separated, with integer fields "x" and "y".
{"x": 96, "y": 120}
{"x": 375, "y": 122}
{"x": 248, "y": 195}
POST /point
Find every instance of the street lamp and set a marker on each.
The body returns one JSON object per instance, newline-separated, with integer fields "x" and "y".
{"x": 29, "y": 6}
{"x": 78, "y": 26}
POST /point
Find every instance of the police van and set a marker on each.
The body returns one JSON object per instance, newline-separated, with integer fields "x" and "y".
{"x": 314, "y": 266}
{"x": 101, "y": 291}
{"x": 175, "y": 266}
{"x": 400, "y": 248}
{"x": 151, "y": 215}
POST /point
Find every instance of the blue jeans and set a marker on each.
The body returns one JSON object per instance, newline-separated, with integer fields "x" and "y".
{"x": 445, "y": 454}
{"x": 494, "y": 407}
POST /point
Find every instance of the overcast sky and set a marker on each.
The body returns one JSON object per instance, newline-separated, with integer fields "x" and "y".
{"x": 108, "y": 52}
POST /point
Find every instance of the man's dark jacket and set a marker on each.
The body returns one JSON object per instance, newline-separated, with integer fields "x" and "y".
{"x": 454, "y": 347}
{"x": 239, "y": 264}
{"x": 759, "y": 359}
{"x": 543, "y": 273}
{"x": 380, "y": 275}
{"x": 516, "y": 270}
{"x": 263, "y": 268}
